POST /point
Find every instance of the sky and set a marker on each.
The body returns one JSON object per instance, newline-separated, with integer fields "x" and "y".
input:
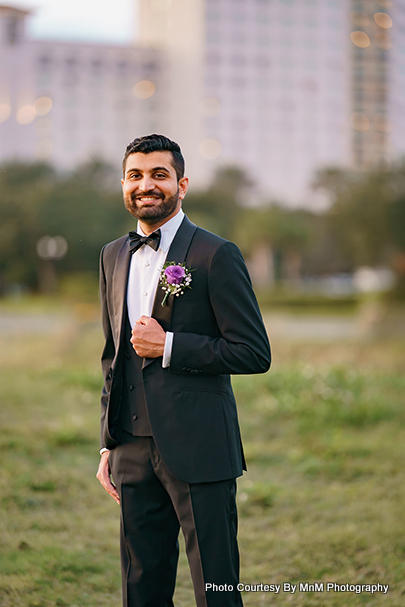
{"x": 112, "y": 21}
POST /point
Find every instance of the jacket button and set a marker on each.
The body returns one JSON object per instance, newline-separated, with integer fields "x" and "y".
{"x": 131, "y": 387}
{"x": 184, "y": 369}
{"x": 134, "y": 418}
{"x": 109, "y": 376}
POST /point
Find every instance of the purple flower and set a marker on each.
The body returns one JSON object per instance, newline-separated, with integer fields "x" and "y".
{"x": 174, "y": 274}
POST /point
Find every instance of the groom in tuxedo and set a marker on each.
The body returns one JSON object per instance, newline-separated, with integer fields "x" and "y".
{"x": 170, "y": 440}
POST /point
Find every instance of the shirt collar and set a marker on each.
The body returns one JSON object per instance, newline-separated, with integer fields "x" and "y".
{"x": 168, "y": 230}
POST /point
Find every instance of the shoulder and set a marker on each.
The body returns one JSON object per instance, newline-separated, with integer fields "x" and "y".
{"x": 212, "y": 242}
{"x": 111, "y": 248}
{"x": 216, "y": 246}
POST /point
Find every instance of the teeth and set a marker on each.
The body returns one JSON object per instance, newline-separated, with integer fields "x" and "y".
{"x": 151, "y": 198}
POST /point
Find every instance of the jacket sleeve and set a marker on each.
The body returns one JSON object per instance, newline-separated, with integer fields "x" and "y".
{"x": 242, "y": 346}
{"x": 109, "y": 347}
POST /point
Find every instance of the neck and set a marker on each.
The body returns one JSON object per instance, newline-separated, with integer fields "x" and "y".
{"x": 148, "y": 228}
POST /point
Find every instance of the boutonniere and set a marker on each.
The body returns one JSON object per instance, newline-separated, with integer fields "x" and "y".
{"x": 174, "y": 279}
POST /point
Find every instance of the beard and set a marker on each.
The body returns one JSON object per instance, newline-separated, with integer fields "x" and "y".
{"x": 151, "y": 213}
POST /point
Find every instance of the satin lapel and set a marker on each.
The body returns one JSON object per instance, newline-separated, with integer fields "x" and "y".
{"x": 177, "y": 252}
{"x": 120, "y": 282}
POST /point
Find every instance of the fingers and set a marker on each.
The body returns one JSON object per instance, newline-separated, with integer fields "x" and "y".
{"x": 145, "y": 320}
{"x": 103, "y": 475}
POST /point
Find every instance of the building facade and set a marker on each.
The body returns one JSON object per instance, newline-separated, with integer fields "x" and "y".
{"x": 289, "y": 86}
{"x": 281, "y": 88}
{"x": 69, "y": 102}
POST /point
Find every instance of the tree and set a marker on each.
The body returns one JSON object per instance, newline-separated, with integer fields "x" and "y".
{"x": 219, "y": 207}
{"x": 284, "y": 233}
{"x": 23, "y": 190}
{"x": 35, "y": 201}
{"x": 366, "y": 214}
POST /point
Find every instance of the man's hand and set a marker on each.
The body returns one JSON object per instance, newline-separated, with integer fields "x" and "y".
{"x": 103, "y": 475}
{"x": 148, "y": 338}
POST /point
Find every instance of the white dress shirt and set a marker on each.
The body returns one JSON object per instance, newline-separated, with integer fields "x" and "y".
{"x": 144, "y": 272}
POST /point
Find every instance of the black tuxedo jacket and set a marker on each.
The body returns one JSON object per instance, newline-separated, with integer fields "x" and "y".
{"x": 218, "y": 331}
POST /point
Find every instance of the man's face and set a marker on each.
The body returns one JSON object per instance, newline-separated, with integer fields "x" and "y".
{"x": 150, "y": 187}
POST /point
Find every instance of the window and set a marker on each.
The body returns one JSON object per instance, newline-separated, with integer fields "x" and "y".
{"x": 311, "y": 43}
{"x": 238, "y": 82}
{"x": 71, "y": 62}
{"x": 333, "y": 24}
{"x": 150, "y": 66}
{"x": 287, "y": 41}
{"x": 382, "y": 55}
{"x": 122, "y": 67}
{"x": 262, "y": 61}
{"x": 309, "y": 85}
{"x": 238, "y": 38}
{"x": 310, "y": 65}
{"x": 287, "y": 62}
{"x": 336, "y": 45}
{"x": 44, "y": 62}
{"x": 12, "y": 30}
{"x": 96, "y": 65}
{"x": 213, "y": 58}
{"x": 238, "y": 60}
{"x": 213, "y": 37}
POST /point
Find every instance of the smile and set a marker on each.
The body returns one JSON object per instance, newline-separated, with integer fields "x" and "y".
{"x": 148, "y": 198}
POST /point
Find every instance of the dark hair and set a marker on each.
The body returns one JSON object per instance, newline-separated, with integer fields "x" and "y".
{"x": 156, "y": 143}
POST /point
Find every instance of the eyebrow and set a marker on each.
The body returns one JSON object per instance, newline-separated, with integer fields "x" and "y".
{"x": 134, "y": 170}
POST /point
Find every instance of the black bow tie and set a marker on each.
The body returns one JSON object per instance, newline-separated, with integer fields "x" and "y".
{"x": 136, "y": 241}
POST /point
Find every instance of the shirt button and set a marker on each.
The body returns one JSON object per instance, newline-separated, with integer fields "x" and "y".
{"x": 147, "y": 263}
{"x": 131, "y": 387}
{"x": 134, "y": 417}
{"x": 145, "y": 294}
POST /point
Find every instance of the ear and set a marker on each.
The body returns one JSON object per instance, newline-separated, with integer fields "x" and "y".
{"x": 183, "y": 187}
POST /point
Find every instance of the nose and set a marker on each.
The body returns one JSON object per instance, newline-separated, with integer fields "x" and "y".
{"x": 146, "y": 184}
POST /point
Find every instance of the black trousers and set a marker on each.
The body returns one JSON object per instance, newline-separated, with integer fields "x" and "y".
{"x": 154, "y": 506}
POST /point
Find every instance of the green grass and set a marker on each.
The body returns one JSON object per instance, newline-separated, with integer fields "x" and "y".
{"x": 322, "y": 500}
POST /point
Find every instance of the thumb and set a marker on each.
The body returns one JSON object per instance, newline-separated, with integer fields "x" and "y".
{"x": 144, "y": 320}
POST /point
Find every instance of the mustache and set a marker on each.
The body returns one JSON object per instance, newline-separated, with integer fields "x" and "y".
{"x": 145, "y": 194}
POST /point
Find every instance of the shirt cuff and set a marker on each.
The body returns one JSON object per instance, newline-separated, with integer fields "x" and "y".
{"x": 167, "y": 352}
{"x": 103, "y": 450}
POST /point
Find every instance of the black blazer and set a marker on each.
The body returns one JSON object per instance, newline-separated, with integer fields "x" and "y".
{"x": 218, "y": 331}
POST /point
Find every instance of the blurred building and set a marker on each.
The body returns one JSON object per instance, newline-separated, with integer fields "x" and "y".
{"x": 279, "y": 87}
{"x": 68, "y": 102}
{"x": 284, "y": 87}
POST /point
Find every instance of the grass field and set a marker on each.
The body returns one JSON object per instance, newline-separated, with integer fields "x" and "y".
{"x": 323, "y": 500}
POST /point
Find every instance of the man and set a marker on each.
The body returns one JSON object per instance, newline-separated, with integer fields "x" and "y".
{"x": 169, "y": 429}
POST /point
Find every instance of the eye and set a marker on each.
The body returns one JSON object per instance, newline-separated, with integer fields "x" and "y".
{"x": 160, "y": 175}
{"x": 134, "y": 176}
